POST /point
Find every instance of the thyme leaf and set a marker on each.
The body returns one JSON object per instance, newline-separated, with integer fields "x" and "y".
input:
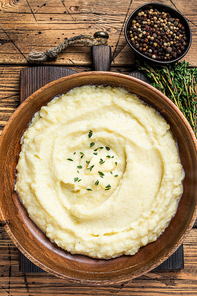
{"x": 97, "y": 182}
{"x": 90, "y": 168}
{"x": 90, "y": 134}
{"x": 82, "y": 154}
{"x": 108, "y": 187}
{"x": 101, "y": 161}
{"x": 101, "y": 174}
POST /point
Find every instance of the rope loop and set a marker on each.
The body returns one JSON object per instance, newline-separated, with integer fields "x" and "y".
{"x": 99, "y": 38}
{"x": 51, "y": 54}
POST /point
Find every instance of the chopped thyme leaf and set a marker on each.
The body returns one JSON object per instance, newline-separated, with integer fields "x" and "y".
{"x": 101, "y": 147}
{"x": 92, "y": 144}
{"x": 70, "y": 159}
{"x": 76, "y": 179}
{"x": 111, "y": 172}
{"x": 116, "y": 176}
{"x": 81, "y": 153}
{"x": 90, "y": 168}
{"x": 74, "y": 153}
{"x": 89, "y": 189}
{"x": 108, "y": 187}
{"x": 107, "y": 148}
{"x": 108, "y": 156}
{"x": 97, "y": 182}
{"x": 87, "y": 161}
{"x": 116, "y": 163}
{"x": 90, "y": 134}
{"x": 79, "y": 166}
{"x": 112, "y": 156}
{"x": 96, "y": 149}
{"x": 101, "y": 161}
{"x": 78, "y": 172}
{"x": 101, "y": 174}
{"x": 79, "y": 180}
{"x": 95, "y": 153}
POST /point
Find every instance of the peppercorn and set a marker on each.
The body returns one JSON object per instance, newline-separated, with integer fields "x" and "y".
{"x": 169, "y": 49}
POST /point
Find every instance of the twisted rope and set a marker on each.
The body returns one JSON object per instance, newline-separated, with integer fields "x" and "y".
{"x": 52, "y": 54}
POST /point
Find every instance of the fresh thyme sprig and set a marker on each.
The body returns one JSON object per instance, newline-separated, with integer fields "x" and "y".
{"x": 179, "y": 83}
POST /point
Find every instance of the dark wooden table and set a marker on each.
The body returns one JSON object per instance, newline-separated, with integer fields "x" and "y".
{"x": 31, "y": 24}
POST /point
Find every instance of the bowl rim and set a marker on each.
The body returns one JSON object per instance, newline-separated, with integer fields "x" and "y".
{"x": 163, "y": 257}
{"x": 142, "y": 7}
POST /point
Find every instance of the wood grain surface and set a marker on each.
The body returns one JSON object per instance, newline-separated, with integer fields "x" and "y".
{"x": 27, "y": 25}
{"x": 31, "y": 24}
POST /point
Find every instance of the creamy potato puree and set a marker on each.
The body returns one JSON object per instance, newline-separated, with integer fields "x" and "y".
{"x": 99, "y": 172}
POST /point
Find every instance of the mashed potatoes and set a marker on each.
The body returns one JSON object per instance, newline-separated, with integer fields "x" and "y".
{"x": 99, "y": 172}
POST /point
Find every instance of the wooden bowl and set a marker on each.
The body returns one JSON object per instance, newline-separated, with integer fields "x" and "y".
{"x": 36, "y": 246}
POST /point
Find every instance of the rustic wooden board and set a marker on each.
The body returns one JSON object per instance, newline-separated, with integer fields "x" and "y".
{"x": 31, "y": 80}
{"x": 39, "y": 25}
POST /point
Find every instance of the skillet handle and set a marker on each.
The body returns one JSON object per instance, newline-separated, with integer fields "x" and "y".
{"x": 101, "y": 54}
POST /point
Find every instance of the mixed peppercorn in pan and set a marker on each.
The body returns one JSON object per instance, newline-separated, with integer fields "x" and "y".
{"x": 158, "y": 35}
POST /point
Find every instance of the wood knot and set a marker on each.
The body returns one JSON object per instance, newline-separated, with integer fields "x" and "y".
{"x": 8, "y": 3}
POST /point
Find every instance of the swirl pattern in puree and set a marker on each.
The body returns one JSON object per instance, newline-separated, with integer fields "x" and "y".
{"x": 99, "y": 172}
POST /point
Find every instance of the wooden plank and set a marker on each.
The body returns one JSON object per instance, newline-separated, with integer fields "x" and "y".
{"x": 13, "y": 283}
{"x": 28, "y": 25}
